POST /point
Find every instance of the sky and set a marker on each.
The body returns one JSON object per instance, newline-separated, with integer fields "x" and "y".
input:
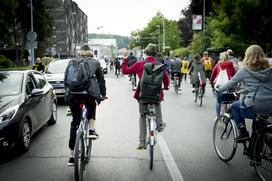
{"x": 121, "y": 17}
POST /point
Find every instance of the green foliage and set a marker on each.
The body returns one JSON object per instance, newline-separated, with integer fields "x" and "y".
{"x": 153, "y": 33}
{"x": 181, "y": 52}
{"x": 5, "y": 62}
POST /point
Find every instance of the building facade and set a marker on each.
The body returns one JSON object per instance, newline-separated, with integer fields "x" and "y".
{"x": 70, "y": 27}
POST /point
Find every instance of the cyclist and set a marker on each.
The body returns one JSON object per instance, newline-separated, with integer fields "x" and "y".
{"x": 131, "y": 60}
{"x": 197, "y": 66}
{"x": 117, "y": 65}
{"x": 184, "y": 68}
{"x": 38, "y": 65}
{"x": 256, "y": 73}
{"x": 208, "y": 64}
{"x": 137, "y": 68}
{"x": 176, "y": 68}
{"x": 233, "y": 59}
{"x": 224, "y": 63}
{"x": 94, "y": 94}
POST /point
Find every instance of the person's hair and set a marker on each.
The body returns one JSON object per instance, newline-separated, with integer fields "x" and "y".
{"x": 255, "y": 58}
{"x": 197, "y": 57}
{"x": 224, "y": 57}
{"x": 84, "y": 53}
{"x": 150, "y": 50}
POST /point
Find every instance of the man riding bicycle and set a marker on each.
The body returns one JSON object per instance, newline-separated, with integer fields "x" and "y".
{"x": 94, "y": 94}
{"x": 137, "y": 68}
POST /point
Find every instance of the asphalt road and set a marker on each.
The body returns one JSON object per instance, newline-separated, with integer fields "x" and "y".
{"x": 185, "y": 150}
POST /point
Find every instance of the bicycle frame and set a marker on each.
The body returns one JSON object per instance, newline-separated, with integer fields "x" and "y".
{"x": 151, "y": 124}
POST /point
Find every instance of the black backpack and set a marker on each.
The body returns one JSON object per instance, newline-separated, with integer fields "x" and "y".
{"x": 151, "y": 81}
{"x": 75, "y": 80}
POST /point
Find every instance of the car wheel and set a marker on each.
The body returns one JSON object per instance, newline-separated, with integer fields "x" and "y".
{"x": 53, "y": 118}
{"x": 24, "y": 136}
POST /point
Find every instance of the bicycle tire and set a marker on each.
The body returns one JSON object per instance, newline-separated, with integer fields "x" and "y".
{"x": 151, "y": 153}
{"x": 262, "y": 159}
{"x": 224, "y": 131}
{"x": 79, "y": 157}
{"x": 200, "y": 96}
{"x": 133, "y": 83}
{"x": 196, "y": 94}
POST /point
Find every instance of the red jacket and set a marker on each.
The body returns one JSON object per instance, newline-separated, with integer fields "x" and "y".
{"x": 223, "y": 65}
{"x": 138, "y": 68}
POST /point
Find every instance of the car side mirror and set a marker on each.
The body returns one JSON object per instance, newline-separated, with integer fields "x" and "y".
{"x": 36, "y": 92}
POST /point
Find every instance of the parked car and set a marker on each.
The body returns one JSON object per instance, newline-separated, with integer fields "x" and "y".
{"x": 27, "y": 102}
{"x": 54, "y": 73}
{"x": 103, "y": 65}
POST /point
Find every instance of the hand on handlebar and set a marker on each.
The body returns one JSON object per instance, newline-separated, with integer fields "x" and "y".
{"x": 104, "y": 98}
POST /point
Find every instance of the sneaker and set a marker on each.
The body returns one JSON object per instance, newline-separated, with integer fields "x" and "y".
{"x": 92, "y": 134}
{"x": 71, "y": 161}
{"x": 141, "y": 145}
{"x": 161, "y": 127}
{"x": 68, "y": 111}
{"x": 243, "y": 136}
{"x": 193, "y": 90}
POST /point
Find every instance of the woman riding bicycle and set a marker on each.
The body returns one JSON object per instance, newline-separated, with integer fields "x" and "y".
{"x": 197, "y": 66}
{"x": 221, "y": 65}
{"x": 257, "y": 81}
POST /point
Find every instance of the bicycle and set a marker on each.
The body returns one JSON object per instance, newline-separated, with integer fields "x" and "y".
{"x": 83, "y": 146}
{"x": 258, "y": 148}
{"x": 176, "y": 83}
{"x": 150, "y": 115}
{"x": 199, "y": 91}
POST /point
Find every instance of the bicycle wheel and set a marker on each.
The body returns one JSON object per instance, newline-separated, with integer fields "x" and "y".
{"x": 89, "y": 150}
{"x": 200, "y": 96}
{"x": 151, "y": 153}
{"x": 133, "y": 83}
{"x": 79, "y": 156}
{"x": 262, "y": 159}
{"x": 196, "y": 94}
{"x": 224, "y": 133}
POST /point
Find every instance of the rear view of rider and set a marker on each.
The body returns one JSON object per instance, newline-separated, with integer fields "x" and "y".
{"x": 93, "y": 95}
{"x": 137, "y": 68}
{"x": 176, "y": 68}
{"x": 131, "y": 59}
{"x": 195, "y": 68}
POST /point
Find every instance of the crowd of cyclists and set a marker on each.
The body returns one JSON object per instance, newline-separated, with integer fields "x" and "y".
{"x": 250, "y": 73}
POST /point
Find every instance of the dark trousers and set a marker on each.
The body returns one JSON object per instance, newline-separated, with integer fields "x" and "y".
{"x": 76, "y": 110}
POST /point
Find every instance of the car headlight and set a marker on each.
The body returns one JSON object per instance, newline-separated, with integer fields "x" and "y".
{"x": 9, "y": 113}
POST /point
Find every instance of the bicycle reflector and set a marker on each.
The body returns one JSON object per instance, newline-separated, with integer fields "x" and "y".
{"x": 151, "y": 133}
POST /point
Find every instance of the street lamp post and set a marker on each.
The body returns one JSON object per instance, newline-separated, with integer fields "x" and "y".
{"x": 163, "y": 26}
{"x": 159, "y": 43}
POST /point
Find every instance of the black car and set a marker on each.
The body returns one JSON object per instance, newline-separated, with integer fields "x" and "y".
{"x": 27, "y": 102}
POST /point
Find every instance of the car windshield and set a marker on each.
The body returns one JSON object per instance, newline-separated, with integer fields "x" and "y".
{"x": 10, "y": 83}
{"x": 57, "y": 67}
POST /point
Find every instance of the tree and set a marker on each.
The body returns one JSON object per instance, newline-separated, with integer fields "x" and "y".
{"x": 153, "y": 33}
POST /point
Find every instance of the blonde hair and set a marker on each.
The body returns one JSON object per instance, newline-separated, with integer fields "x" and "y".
{"x": 255, "y": 58}
{"x": 224, "y": 57}
{"x": 84, "y": 53}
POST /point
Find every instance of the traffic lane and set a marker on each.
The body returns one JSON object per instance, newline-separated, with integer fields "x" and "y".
{"x": 46, "y": 158}
{"x": 189, "y": 138}
{"x": 115, "y": 156}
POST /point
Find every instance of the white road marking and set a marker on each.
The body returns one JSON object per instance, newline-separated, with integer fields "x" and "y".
{"x": 169, "y": 160}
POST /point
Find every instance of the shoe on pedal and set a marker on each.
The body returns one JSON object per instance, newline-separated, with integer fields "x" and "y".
{"x": 71, "y": 161}
{"x": 141, "y": 146}
{"x": 161, "y": 127}
{"x": 92, "y": 134}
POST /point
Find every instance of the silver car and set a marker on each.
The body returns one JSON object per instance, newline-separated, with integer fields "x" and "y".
{"x": 54, "y": 73}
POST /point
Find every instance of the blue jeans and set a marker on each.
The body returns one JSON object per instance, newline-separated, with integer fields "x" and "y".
{"x": 218, "y": 103}
{"x": 239, "y": 113}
